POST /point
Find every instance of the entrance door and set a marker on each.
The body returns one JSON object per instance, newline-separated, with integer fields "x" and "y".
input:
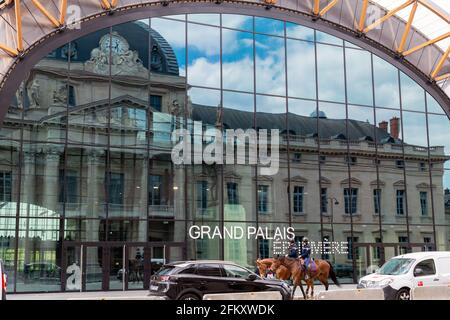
{"x": 112, "y": 266}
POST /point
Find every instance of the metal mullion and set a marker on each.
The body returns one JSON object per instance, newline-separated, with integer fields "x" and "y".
{"x": 149, "y": 130}
{"x": 403, "y": 157}
{"x": 429, "y": 171}
{"x": 377, "y": 165}
{"x": 221, "y": 171}
{"x": 255, "y": 167}
{"x": 108, "y": 130}
{"x": 316, "y": 70}
{"x": 64, "y": 189}
{"x": 287, "y": 126}
{"x": 185, "y": 122}
{"x": 349, "y": 172}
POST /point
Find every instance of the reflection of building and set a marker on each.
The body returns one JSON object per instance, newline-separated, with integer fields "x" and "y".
{"x": 86, "y": 155}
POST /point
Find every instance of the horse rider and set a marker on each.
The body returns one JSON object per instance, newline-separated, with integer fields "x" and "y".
{"x": 293, "y": 250}
{"x": 305, "y": 256}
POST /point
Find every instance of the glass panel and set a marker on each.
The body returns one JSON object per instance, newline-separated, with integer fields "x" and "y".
{"x": 433, "y": 106}
{"x": 237, "y": 59}
{"x": 330, "y": 65}
{"x": 39, "y": 255}
{"x": 173, "y": 33}
{"x": 237, "y": 21}
{"x": 413, "y": 96}
{"x": 136, "y": 268}
{"x": 73, "y": 268}
{"x": 301, "y": 69}
{"x": 8, "y": 248}
{"x": 94, "y": 268}
{"x": 116, "y": 267}
{"x": 204, "y": 55}
{"x": 299, "y": 32}
{"x": 205, "y": 18}
{"x": 387, "y": 92}
{"x": 270, "y": 71}
{"x": 88, "y": 118}
{"x": 269, "y": 26}
{"x": 327, "y": 38}
{"x": 359, "y": 77}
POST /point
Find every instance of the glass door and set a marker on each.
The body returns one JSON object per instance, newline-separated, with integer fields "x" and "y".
{"x": 93, "y": 265}
{"x": 71, "y": 269}
{"x": 137, "y": 266}
{"x": 116, "y": 267}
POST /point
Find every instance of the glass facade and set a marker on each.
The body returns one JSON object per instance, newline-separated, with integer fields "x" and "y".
{"x": 88, "y": 188}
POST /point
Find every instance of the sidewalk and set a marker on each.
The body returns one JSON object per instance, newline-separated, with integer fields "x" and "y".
{"x": 128, "y": 295}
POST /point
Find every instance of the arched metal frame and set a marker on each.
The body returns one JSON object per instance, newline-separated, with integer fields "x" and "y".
{"x": 32, "y": 55}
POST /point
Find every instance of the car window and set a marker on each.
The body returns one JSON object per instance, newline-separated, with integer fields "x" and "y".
{"x": 209, "y": 270}
{"x": 188, "y": 270}
{"x": 233, "y": 271}
{"x": 427, "y": 267}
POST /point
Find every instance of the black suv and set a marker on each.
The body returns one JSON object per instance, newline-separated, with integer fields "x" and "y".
{"x": 190, "y": 280}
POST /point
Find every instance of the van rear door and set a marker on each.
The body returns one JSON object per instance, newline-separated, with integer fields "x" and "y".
{"x": 443, "y": 268}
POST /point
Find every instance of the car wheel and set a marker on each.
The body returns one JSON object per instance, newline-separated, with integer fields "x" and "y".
{"x": 189, "y": 296}
{"x": 403, "y": 294}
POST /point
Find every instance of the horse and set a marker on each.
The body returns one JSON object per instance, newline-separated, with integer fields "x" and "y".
{"x": 324, "y": 269}
{"x": 281, "y": 273}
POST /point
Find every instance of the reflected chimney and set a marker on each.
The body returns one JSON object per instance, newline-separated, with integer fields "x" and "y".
{"x": 394, "y": 124}
{"x": 383, "y": 125}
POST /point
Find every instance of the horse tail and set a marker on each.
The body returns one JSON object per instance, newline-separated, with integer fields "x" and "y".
{"x": 333, "y": 275}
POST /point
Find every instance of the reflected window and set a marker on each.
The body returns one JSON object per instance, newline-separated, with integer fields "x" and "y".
{"x": 68, "y": 186}
{"x": 298, "y": 199}
{"x": 264, "y": 248}
{"x": 351, "y": 200}
{"x": 324, "y": 200}
{"x": 5, "y": 186}
{"x": 156, "y": 102}
{"x": 377, "y": 201}
{"x": 351, "y": 241}
{"x": 202, "y": 196}
{"x": 154, "y": 190}
{"x": 423, "y": 203}
{"x": 400, "y": 195}
{"x": 232, "y": 192}
{"x": 263, "y": 198}
{"x": 116, "y": 188}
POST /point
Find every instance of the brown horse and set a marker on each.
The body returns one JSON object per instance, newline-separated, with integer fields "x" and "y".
{"x": 263, "y": 265}
{"x": 323, "y": 270}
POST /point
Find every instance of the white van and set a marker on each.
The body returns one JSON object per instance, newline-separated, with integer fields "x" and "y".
{"x": 2, "y": 282}
{"x": 402, "y": 273}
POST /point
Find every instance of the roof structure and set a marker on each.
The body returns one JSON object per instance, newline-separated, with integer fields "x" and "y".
{"x": 31, "y": 27}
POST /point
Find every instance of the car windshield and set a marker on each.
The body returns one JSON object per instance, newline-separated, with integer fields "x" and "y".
{"x": 396, "y": 266}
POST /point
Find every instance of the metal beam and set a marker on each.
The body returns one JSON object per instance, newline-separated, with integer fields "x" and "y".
{"x": 316, "y": 8}
{"x": 407, "y": 27}
{"x": 328, "y": 7}
{"x": 44, "y": 11}
{"x": 63, "y": 12}
{"x": 19, "y": 33}
{"x": 427, "y": 43}
{"x": 443, "y": 77}
{"x": 440, "y": 64}
{"x": 10, "y": 51}
{"x": 362, "y": 18}
{"x": 106, "y": 4}
{"x": 388, "y": 15}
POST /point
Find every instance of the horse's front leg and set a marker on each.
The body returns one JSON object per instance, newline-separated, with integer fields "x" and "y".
{"x": 293, "y": 292}
{"x": 312, "y": 289}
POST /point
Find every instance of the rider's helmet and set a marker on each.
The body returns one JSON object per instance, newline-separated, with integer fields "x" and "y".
{"x": 305, "y": 240}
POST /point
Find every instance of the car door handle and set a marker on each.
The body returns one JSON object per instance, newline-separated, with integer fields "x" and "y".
{"x": 436, "y": 279}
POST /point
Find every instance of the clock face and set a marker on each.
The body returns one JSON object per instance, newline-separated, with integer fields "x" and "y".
{"x": 117, "y": 43}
